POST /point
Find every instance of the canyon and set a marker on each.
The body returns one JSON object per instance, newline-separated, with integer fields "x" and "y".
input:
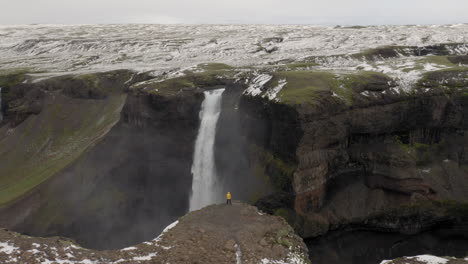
{"x": 370, "y": 144}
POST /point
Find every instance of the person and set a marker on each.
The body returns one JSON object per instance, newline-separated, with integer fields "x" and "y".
{"x": 228, "y": 198}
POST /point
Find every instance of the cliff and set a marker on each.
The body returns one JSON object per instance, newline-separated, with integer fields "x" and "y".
{"x": 362, "y": 148}
{"x": 369, "y": 141}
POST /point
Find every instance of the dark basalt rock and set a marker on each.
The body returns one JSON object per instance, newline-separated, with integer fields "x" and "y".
{"x": 379, "y": 153}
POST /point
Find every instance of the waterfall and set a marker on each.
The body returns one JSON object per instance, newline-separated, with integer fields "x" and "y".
{"x": 1, "y": 113}
{"x": 205, "y": 190}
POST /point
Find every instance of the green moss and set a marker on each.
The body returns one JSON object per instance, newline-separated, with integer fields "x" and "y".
{"x": 301, "y": 65}
{"x": 215, "y": 66}
{"x": 11, "y": 78}
{"x": 278, "y": 172}
{"x": 281, "y": 237}
{"x": 51, "y": 141}
{"x": 439, "y": 60}
{"x": 447, "y": 80}
{"x": 453, "y": 208}
{"x": 422, "y": 153}
{"x": 171, "y": 86}
{"x": 359, "y": 81}
{"x": 189, "y": 80}
{"x": 304, "y": 86}
{"x": 285, "y": 213}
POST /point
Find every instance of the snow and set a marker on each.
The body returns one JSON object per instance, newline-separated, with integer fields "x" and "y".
{"x": 432, "y": 67}
{"x": 257, "y": 84}
{"x": 34, "y": 251}
{"x": 365, "y": 93}
{"x": 129, "y": 248}
{"x": 161, "y": 47}
{"x": 426, "y": 170}
{"x": 273, "y": 92}
{"x": 147, "y": 257}
{"x": 427, "y": 259}
{"x": 169, "y": 227}
{"x": 293, "y": 258}
{"x": 63, "y": 261}
{"x": 431, "y": 259}
{"x": 7, "y": 248}
{"x": 238, "y": 254}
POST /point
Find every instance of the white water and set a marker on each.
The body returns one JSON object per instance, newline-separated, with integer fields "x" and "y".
{"x": 1, "y": 113}
{"x": 205, "y": 190}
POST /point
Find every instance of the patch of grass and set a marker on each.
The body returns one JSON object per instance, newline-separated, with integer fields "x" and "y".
{"x": 308, "y": 86}
{"x": 281, "y": 237}
{"x": 448, "y": 80}
{"x": 51, "y": 141}
{"x": 11, "y": 78}
{"x": 422, "y": 153}
{"x": 360, "y": 81}
{"x": 279, "y": 172}
{"x": 214, "y": 66}
{"x": 439, "y": 60}
{"x": 304, "y": 86}
{"x": 301, "y": 65}
{"x": 173, "y": 86}
{"x": 285, "y": 213}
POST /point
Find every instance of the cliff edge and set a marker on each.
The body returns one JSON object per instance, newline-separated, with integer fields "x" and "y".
{"x": 215, "y": 234}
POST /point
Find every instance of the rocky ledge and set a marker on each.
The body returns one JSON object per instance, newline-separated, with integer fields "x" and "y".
{"x": 216, "y": 234}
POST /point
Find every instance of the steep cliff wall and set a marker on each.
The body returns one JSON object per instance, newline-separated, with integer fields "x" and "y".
{"x": 366, "y": 150}
{"x": 128, "y": 180}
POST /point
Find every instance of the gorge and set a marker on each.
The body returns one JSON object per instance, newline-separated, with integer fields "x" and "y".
{"x": 363, "y": 154}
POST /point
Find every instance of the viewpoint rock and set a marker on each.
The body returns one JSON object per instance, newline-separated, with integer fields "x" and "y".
{"x": 218, "y": 234}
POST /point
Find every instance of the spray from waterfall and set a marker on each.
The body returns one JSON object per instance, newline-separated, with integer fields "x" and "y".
{"x": 205, "y": 187}
{"x": 1, "y": 113}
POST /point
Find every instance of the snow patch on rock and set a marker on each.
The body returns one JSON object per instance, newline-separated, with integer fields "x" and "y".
{"x": 272, "y": 93}
{"x": 7, "y": 248}
{"x": 145, "y": 258}
{"x": 257, "y": 84}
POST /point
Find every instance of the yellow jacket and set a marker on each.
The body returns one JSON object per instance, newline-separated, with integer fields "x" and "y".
{"x": 228, "y": 196}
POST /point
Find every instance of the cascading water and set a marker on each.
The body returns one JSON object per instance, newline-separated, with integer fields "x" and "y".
{"x": 1, "y": 113}
{"x": 205, "y": 190}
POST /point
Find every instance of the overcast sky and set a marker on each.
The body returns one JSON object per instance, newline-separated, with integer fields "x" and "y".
{"x": 329, "y": 12}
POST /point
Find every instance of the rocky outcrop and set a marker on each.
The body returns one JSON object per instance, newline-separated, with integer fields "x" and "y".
{"x": 235, "y": 233}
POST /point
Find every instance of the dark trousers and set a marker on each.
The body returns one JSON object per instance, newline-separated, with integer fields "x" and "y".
{"x": 228, "y": 201}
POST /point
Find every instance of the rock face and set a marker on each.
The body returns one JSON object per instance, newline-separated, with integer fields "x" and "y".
{"x": 351, "y": 151}
{"x": 132, "y": 163}
{"x": 383, "y": 151}
{"x": 235, "y": 233}
{"x": 131, "y": 159}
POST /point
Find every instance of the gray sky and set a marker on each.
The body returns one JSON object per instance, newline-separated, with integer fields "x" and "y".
{"x": 331, "y": 12}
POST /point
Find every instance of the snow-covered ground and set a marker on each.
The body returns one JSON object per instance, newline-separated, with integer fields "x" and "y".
{"x": 60, "y": 48}
{"x": 426, "y": 259}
